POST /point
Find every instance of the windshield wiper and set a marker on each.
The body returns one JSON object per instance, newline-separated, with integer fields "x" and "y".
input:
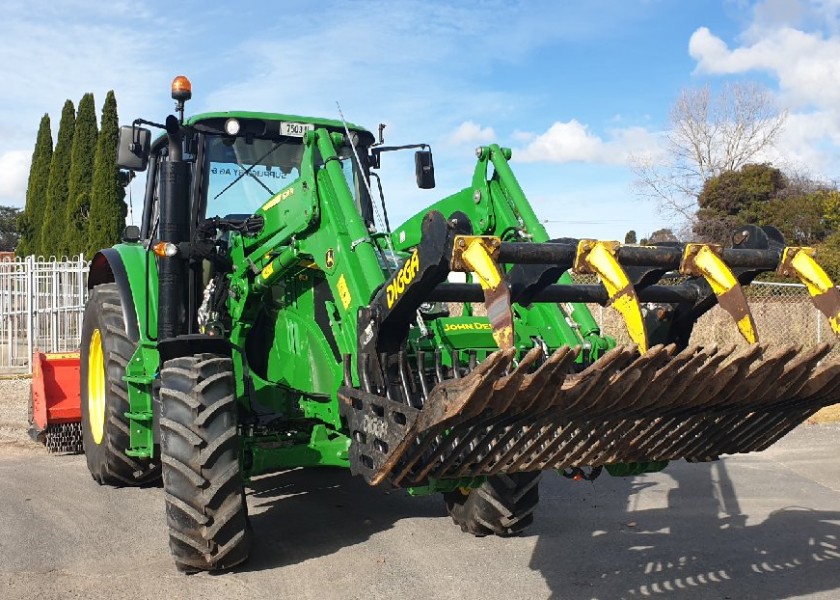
{"x": 257, "y": 179}
{"x": 248, "y": 172}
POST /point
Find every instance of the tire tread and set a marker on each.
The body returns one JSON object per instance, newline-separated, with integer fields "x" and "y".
{"x": 205, "y": 506}
{"x": 503, "y": 505}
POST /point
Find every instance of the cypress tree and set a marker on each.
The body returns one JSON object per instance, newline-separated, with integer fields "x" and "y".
{"x": 107, "y": 206}
{"x": 30, "y": 220}
{"x": 81, "y": 179}
{"x": 52, "y": 230}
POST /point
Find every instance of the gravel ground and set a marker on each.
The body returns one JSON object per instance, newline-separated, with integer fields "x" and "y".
{"x": 14, "y": 417}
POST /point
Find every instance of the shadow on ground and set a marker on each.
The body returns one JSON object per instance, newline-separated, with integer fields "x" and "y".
{"x": 694, "y": 543}
{"x": 309, "y": 513}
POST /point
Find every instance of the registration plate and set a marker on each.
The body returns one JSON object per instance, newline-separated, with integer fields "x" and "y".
{"x": 295, "y": 129}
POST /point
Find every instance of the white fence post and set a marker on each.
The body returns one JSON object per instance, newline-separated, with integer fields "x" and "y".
{"x": 29, "y": 273}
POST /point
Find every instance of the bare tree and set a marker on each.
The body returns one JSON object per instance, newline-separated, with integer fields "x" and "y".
{"x": 709, "y": 134}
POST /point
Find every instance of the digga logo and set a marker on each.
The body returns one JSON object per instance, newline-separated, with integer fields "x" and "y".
{"x": 404, "y": 277}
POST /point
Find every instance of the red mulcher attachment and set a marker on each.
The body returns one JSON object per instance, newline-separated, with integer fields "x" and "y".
{"x": 56, "y": 405}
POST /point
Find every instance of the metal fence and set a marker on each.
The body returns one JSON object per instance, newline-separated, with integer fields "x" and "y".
{"x": 42, "y": 301}
{"x": 783, "y": 314}
{"x": 41, "y": 306}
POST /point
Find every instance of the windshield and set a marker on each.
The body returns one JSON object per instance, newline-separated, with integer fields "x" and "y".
{"x": 243, "y": 175}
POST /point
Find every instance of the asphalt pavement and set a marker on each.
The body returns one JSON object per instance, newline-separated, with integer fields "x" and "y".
{"x": 757, "y": 526}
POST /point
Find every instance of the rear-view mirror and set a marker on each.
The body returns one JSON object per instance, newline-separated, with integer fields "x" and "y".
{"x": 424, "y": 169}
{"x": 133, "y": 152}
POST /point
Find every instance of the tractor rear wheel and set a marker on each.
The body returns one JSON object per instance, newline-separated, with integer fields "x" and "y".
{"x": 503, "y": 505}
{"x": 106, "y": 350}
{"x": 203, "y": 488}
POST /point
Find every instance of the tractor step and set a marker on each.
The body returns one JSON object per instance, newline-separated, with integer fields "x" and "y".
{"x": 505, "y": 417}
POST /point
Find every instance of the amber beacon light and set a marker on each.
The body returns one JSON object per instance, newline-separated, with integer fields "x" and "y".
{"x": 181, "y": 89}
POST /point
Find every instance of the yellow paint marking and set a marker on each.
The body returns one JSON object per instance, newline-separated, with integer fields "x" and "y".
{"x": 344, "y": 291}
{"x": 278, "y": 199}
{"x": 268, "y": 271}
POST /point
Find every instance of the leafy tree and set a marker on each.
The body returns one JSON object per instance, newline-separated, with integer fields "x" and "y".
{"x": 735, "y": 198}
{"x": 804, "y": 220}
{"x": 660, "y": 235}
{"x": 107, "y": 207}
{"x": 52, "y": 231}
{"x": 30, "y": 220}
{"x": 81, "y": 178}
{"x": 9, "y": 234}
{"x": 831, "y": 209}
{"x": 630, "y": 237}
{"x": 828, "y": 255}
{"x": 709, "y": 135}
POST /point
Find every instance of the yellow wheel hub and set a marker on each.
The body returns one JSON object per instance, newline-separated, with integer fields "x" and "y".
{"x": 96, "y": 387}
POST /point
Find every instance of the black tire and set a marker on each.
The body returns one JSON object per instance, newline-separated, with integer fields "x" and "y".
{"x": 205, "y": 502}
{"x": 503, "y": 505}
{"x": 106, "y": 458}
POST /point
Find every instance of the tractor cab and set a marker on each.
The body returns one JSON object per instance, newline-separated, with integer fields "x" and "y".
{"x": 238, "y": 161}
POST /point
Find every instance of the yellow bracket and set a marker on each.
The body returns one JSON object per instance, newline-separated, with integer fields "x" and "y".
{"x": 800, "y": 261}
{"x": 703, "y": 260}
{"x": 477, "y": 254}
{"x": 598, "y": 257}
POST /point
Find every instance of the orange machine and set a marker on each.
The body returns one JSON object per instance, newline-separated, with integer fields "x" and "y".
{"x": 56, "y": 406}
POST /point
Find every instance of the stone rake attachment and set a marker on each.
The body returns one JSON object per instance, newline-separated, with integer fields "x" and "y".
{"x": 525, "y": 410}
{"x": 664, "y": 405}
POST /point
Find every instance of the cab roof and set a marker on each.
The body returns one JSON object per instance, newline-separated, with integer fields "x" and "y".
{"x": 264, "y": 116}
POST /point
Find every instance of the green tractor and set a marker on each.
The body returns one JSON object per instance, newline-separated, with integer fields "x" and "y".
{"x": 265, "y": 316}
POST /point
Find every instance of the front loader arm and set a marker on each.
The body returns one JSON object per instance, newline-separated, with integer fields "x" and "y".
{"x": 313, "y": 221}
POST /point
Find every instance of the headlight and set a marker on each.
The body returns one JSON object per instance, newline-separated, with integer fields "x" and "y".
{"x": 232, "y": 126}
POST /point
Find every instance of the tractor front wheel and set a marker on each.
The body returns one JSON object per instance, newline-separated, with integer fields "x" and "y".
{"x": 503, "y": 505}
{"x": 203, "y": 488}
{"x": 106, "y": 350}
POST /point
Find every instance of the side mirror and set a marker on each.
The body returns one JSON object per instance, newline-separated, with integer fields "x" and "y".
{"x": 131, "y": 234}
{"x": 424, "y": 169}
{"x": 133, "y": 152}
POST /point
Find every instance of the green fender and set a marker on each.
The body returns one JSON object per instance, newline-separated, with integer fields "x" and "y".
{"x": 130, "y": 266}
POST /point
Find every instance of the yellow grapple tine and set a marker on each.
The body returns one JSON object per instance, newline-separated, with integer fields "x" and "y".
{"x": 598, "y": 257}
{"x": 800, "y": 261}
{"x": 703, "y": 260}
{"x": 475, "y": 254}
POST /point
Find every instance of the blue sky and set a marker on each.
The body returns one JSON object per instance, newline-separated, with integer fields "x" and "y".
{"x": 575, "y": 88}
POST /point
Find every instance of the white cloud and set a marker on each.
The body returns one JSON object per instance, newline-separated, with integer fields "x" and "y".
{"x": 797, "y": 44}
{"x": 807, "y": 65}
{"x": 564, "y": 142}
{"x": 572, "y": 141}
{"x": 469, "y": 132}
{"x": 14, "y": 173}
{"x": 809, "y": 144}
